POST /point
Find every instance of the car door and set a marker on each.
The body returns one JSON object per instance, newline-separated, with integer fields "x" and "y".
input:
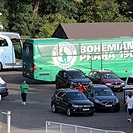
{"x": 61, "y": 79}
{"x": 89, "y": 93}
{"x": 94, "y": 77}
{"x": 97, "y": 77}
{"x": 63, "y": 101}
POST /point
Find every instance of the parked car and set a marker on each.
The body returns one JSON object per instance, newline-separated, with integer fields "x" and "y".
{"x": 71, "y": 102}
{"x": 65, "y": 77}
{"x": 103, "y": 97}
{"x": 128, "y": 86}
{"x": 108, "y": 78}
{"x": 3, "y": 88}
{"x": 129, "y": 82}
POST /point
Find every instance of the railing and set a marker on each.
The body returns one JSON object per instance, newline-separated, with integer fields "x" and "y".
{"x": 55, "y": 127}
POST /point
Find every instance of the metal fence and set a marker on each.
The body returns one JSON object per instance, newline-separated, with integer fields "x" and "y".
{"x": 55, "y": 127}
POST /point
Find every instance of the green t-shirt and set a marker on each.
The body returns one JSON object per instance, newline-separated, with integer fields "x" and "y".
{"x": 24, "y": 87}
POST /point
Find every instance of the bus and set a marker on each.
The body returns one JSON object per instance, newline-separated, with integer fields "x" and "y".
{"x": 10, "y": 50}
{"x": 43, "y": 58}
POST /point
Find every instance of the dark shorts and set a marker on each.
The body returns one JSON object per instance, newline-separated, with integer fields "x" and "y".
{"x": 130, "y": 111}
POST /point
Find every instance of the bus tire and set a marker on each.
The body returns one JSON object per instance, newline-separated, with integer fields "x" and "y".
{"x": 0, "y": 66}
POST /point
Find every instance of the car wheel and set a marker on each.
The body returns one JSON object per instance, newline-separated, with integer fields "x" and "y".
{"x": 69, "y": 112}
{"x": 53, "y": 108}
{"x": 57, "y": 86}
{"x": 0, "y": 97}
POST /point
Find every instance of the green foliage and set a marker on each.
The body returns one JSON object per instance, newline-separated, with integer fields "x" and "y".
{"x": 101, "y": 11}
{"x": 51, "y": 22}
{"x": 4, "y": 16}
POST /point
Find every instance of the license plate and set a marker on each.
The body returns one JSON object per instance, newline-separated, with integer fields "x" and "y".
{"x": 116, "y": 86}
{"x": 108, "y": 105}
{"x": 86, "y": 109}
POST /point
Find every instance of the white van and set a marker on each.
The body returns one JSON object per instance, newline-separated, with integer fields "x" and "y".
{"x": 128, "y": 86}
{"x": 129, "y": 82}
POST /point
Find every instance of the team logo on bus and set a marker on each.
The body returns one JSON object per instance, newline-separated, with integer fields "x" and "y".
{"x": 27, "y": 50}
{"x": 64, "y": 55}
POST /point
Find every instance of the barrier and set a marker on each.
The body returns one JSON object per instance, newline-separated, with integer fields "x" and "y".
{"x": 8, "y": 114}
{"x": 55, "y": 127}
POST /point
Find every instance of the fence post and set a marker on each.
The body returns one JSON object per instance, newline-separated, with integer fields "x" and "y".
{"x": 8, "y": 121}
{"x": 8, "y": 113}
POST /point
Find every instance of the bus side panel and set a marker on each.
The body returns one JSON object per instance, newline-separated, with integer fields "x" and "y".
{"x": 45, "y": 69}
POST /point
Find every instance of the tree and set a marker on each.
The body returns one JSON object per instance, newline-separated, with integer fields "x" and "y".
{"x": 100, "y": 11}
{"x": 4, "y": 14}
{"x": 51, "y": 22}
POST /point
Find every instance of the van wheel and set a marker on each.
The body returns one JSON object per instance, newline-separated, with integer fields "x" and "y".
{"x": 0, "y": 66}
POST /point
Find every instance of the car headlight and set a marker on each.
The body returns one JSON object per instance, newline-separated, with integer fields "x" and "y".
{"x": 75, "y": 106}
{"x": 122, "y": 83}
{"x": 97, "y": 101}
{"x": 108, "y": 84}
{"x": 90, "y": 82}
{"x": 116, "y": 100}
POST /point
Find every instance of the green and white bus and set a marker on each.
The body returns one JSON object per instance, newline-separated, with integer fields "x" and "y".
{"x": 43, "y": 58}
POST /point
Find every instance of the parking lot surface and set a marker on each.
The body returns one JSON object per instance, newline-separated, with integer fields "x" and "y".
{"x": 34, "y": 115}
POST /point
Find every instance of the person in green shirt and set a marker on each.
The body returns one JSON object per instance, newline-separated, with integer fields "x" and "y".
{"x": 23, "y": 88}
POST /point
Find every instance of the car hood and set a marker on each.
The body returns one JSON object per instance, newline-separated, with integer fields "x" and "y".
{"x": 81, "y": 102}
{"x": 84, "y": 80}
{"x": 112, "y": 80}
{"x": 101, "y": 98}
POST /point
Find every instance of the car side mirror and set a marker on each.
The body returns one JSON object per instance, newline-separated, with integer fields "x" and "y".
{"x": 65, "y": 76}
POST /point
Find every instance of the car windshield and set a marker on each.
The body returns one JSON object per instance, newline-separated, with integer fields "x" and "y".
{"x": 76, "y": 75}
{"x": 102, "y": 92}
{"x": 130, "y": 81}
{"x": 76, "y": 96}
{"x": 109, "y": 76}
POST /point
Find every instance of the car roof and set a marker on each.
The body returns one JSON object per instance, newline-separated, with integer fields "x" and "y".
{"x": 102, "y": 70}
{"x": 71, "y": 70}
{"x": 99, "y": 86}
{"x": 131, "y": 76}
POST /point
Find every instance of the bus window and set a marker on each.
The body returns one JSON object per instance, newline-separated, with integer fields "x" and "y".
{"x": 3, "y": 42}
{"x": 17, "y": 48}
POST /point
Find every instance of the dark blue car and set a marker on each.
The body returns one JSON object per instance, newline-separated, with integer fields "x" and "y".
{"x": 103, "y": 98}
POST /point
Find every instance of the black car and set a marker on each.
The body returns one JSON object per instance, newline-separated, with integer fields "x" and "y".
{"x": 103, "y": 97}
{"x": 65, "y": 77}
{"x": 107, "y": 77}
{"x": 3, "y": 88}
{"x": 71, "y": 102}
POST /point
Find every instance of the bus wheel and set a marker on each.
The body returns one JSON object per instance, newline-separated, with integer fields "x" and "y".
{"x": 0, "y": 66}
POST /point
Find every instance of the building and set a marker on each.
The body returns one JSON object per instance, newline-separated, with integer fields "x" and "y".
{"x": 93, "y": 30}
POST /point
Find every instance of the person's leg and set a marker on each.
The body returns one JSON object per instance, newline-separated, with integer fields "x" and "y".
{"x": 129, "y": 114}
{"x": 22, "y": 96}
{"x": 25, "y": 98}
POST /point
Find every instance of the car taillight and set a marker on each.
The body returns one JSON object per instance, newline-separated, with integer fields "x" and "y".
{"x": 34, "y": 67}
{"x": 6, "y": 86}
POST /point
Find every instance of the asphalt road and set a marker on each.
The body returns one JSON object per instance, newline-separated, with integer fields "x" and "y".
{"x": 37, "y": 111}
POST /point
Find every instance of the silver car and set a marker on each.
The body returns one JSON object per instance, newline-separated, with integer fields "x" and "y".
{"x": 3, "y": 88}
